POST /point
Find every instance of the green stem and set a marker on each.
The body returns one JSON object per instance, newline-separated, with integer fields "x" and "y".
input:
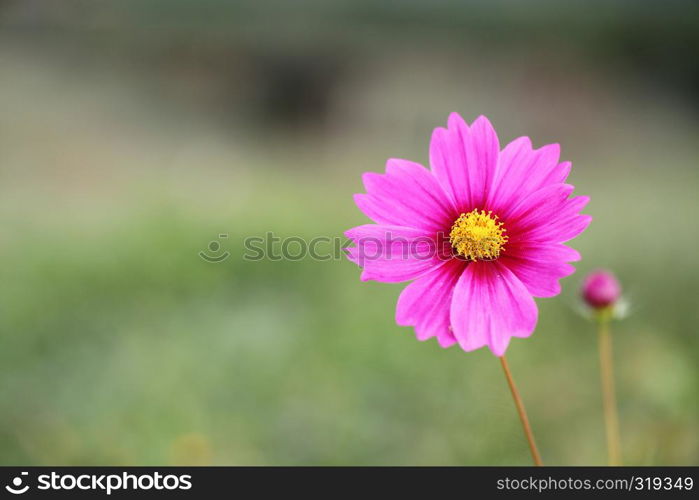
{"x": 606, "y": 363}
{"x": 522, "y": 412}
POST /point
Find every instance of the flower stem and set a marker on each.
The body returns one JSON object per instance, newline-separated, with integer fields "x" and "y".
{"x": 522, "y": 412}
{"x": 611, "y": 420}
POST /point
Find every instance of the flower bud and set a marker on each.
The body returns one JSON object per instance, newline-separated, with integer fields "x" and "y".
{"x": 601, "y": 289}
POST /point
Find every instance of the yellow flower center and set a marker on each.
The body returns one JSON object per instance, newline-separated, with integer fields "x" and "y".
{"x": 478, "y": 235}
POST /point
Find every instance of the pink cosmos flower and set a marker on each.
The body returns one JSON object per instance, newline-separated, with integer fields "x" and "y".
{"x": 481, "y": 234}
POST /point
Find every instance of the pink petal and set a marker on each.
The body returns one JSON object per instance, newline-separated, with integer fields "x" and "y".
{"x": 425, "y": 303}
{"x": 490, "y": 305}
{"x": 558, "y": 175}
{"x": 407, "y": 195}
{"x": 547, "y": 215}
{"x": 464, "y": 160}
{"x": 539, "y": 266}
{"x": 523, "y": 170}
{"x": 393, "y": 253}
{"x": 565, "y": 225}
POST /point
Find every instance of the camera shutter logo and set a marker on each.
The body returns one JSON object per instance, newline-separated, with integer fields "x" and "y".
{"x": 16, "y": 487}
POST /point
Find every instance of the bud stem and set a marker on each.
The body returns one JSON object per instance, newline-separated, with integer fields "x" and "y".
{"x": 611, "y": 418}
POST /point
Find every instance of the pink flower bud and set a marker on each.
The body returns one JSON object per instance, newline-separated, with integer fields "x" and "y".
{"x": 601, "y": 289}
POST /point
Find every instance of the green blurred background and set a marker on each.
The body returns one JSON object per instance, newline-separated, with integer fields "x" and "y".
{"x": 133, "y": 133}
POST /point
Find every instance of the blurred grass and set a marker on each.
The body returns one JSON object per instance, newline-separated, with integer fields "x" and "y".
{"x": 119, "y": 345}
